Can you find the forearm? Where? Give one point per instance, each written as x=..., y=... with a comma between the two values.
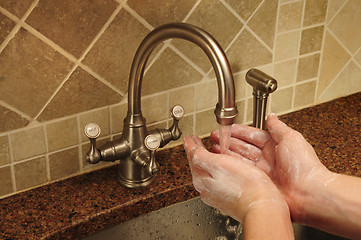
x=268, y=220
x=335, y=207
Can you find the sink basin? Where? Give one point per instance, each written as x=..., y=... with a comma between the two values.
x=191, y=219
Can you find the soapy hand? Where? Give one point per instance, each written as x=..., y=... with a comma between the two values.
x=233, y=185
x=284, y=155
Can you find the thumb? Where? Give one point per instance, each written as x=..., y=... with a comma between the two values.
x=276, y=128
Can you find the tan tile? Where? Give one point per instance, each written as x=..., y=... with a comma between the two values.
x=357, y=57
x=263, y=22
x=62, y=134
x=6, y=25
x=118, y=113
x=17, y=8
x=4, y=151
x=80, y=21
x=39, y=71
x=287, y=45
x=346, y=83
x=240, y=85
x=285, y=72
x=160, y=12
x=247, y=52
x=206, y=122
x=308, y=67
x=240, y=108
x=6, y=186
x=304, y=94
x=315, y=12
x=112, y=55
x=155, y=108
x=186, y=126
x=290, y=16
x=245, y=8
x=28, y=143
x=30, y=173
x=159, y=125
x=11, y=120
x=333, y=7
x=346, y=25
x=167, y=72
x=184, y=97
x=249, y=114
x=63, y=164
x=80, y=93
x=282, y=100
x=100, y=117
x=207, y=95
x=333, y=59
x=311, y=40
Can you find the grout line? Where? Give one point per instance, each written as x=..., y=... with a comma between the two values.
x=137, y=16
x=12, y=162
x=80, y=151
x=17, y=111
x=276, y=32
x=191, y=11
x=328, y=22
x=47, y=161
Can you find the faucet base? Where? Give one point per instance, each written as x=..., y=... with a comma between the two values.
x=135, y=184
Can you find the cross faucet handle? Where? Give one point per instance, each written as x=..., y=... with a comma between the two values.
x=177, y=113
x=152, y=143
x=92, y=131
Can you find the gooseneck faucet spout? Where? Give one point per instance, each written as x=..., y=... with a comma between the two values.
x=136, y=147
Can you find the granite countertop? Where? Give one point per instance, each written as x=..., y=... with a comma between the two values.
x=88, y=203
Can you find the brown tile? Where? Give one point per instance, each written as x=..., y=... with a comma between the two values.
x=282, y=100
x=6, y=25
x=247, y=52
x=38, y=69
x=315, y=12
x=346, y=25
x=62, y=134
x=112, y=54
x=263, y=22
x=158, y=12
x=155, y=108
x=184, y=97
x=240, y=85
x=290, y=16
x=80, y=93
x=287, y=45
x=285, y=72
x=311, y=40
x=357, y=57
x=117, y=115
x=167, y=72
x=333, y=7
x=245, y=8
x=304, y=94
x=30, y=173
x=11, y=120
x=28, y=143
x=240, y=108
x=100, y=117
x=6, y=186
x=63, y=164
x=4, y=151
x=205, y=123
x=207, y=95
x=308, y=67
x=71, y=24
x=249, y=114
x=17, y=8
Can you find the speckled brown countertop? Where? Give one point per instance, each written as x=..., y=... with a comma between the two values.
x=91, y=202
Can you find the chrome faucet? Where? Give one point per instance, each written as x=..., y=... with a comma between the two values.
x=135, y=149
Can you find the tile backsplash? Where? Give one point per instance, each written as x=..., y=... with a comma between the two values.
x=66, y=63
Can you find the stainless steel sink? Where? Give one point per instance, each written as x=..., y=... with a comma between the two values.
x=191, y=219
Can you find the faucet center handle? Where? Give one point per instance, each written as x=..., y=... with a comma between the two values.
x=152, y=142
x=92, y=130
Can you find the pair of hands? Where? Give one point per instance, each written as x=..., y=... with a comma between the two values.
x=278, y=167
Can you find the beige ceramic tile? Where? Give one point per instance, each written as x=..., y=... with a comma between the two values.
x=247, y=52
x=245, y=8
x=32, y=70
x=285, y=72
x=290, y=16
x=263, y=22
x=206, y=122
x=63, y=164
x=100, y=117
x=207, y=95
x=4, y=151
x=6, y=186
x=304, y=94
x=315, y=12
x=28, y=143
x=169, y=71
x=282, y=100
x=311, y=40
x=348, y=82
x=80, y=21
x=11, y=120
x=112, y=55
x=308, y=67
x=155, y=108
x=287, y=45
x=80, y=93
x=5, y=27
x=184, y=97
x=249, y=114
x=17, y=8
x=62, y=134
x=357, y=56
x=333, y=7
x=118, y=113
x=240, y=108
x=161, y=12
x=346, y=25
x=30, y=173
x=240, y=85
x=333, y=60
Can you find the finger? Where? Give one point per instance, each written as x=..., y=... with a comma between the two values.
x=276, y=128
x=217, y=149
